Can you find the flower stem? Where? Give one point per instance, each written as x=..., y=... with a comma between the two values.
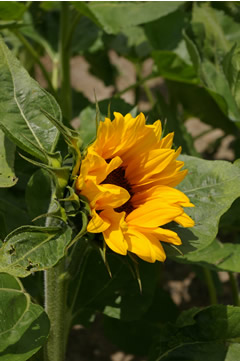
x=55, y=306
x=235, y=291
x=210, y=285
x=65, y=54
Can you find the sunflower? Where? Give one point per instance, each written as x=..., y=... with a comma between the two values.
x=128, y=177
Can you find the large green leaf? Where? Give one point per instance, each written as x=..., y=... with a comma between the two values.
x=212, y=186
x=24, y=326
x=166, y=33
x=12, y=10
x=118, y=295
x=198, y=102
x=21, y=100
x=209, y=39
x=202, y=335
x=136, y=336
x=30, y=249
x=7, y=154
x=172, y=67
x=231, y=67
x=216, y=31
x=217, y=256
x=114, y=17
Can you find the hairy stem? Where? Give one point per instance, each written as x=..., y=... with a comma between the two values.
x=55, y=306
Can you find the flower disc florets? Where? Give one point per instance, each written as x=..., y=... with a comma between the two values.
x=128, y=176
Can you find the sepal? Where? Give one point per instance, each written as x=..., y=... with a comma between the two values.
x=60, y=175
x=72, y=138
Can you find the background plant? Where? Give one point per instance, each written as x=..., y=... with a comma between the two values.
x=194, y=48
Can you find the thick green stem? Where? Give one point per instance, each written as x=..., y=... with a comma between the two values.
x=235, y=290
x=65, y=54
x=55, y=306
x=210, y=285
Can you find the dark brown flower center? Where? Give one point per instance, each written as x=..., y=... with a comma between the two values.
x=117, y=177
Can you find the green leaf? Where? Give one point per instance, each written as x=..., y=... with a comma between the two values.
x=212, y=186
x=115, y=17
x=172, y=26
x=87, y=127
x=119, y=295
x=202, y=335
x=7, y=155
x=29, y=249
x=218, y=87
x=13, y=10
x=91, y=32
x=231, y=67
x=101, y=67
x=12, y=212
x=217, y=256
x=39, y=195
x=215, y=31
x=24, y=326
x=209, y=39
x=29, y=30
x=169, y=114
x=172, y=67
x=196, y=101
x=136, y=336
x=21, y=101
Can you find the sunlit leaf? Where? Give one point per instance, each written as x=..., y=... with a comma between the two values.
x=110, y=15
x=212, y=186
x=21, y=100
x=29, y=249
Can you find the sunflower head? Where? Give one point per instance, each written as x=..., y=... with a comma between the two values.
x=128, y=177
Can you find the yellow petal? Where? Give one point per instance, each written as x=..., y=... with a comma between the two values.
x=145, y=245
x=153, y=214
x=184, y=220
x=166, y=235
x=150, y=164
x=111, y=196
x=167, y=141
x=97, y=224
x=98, y=168
x=164, y=194
x=104, y=195
x=140, y=245
x=114, y=235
